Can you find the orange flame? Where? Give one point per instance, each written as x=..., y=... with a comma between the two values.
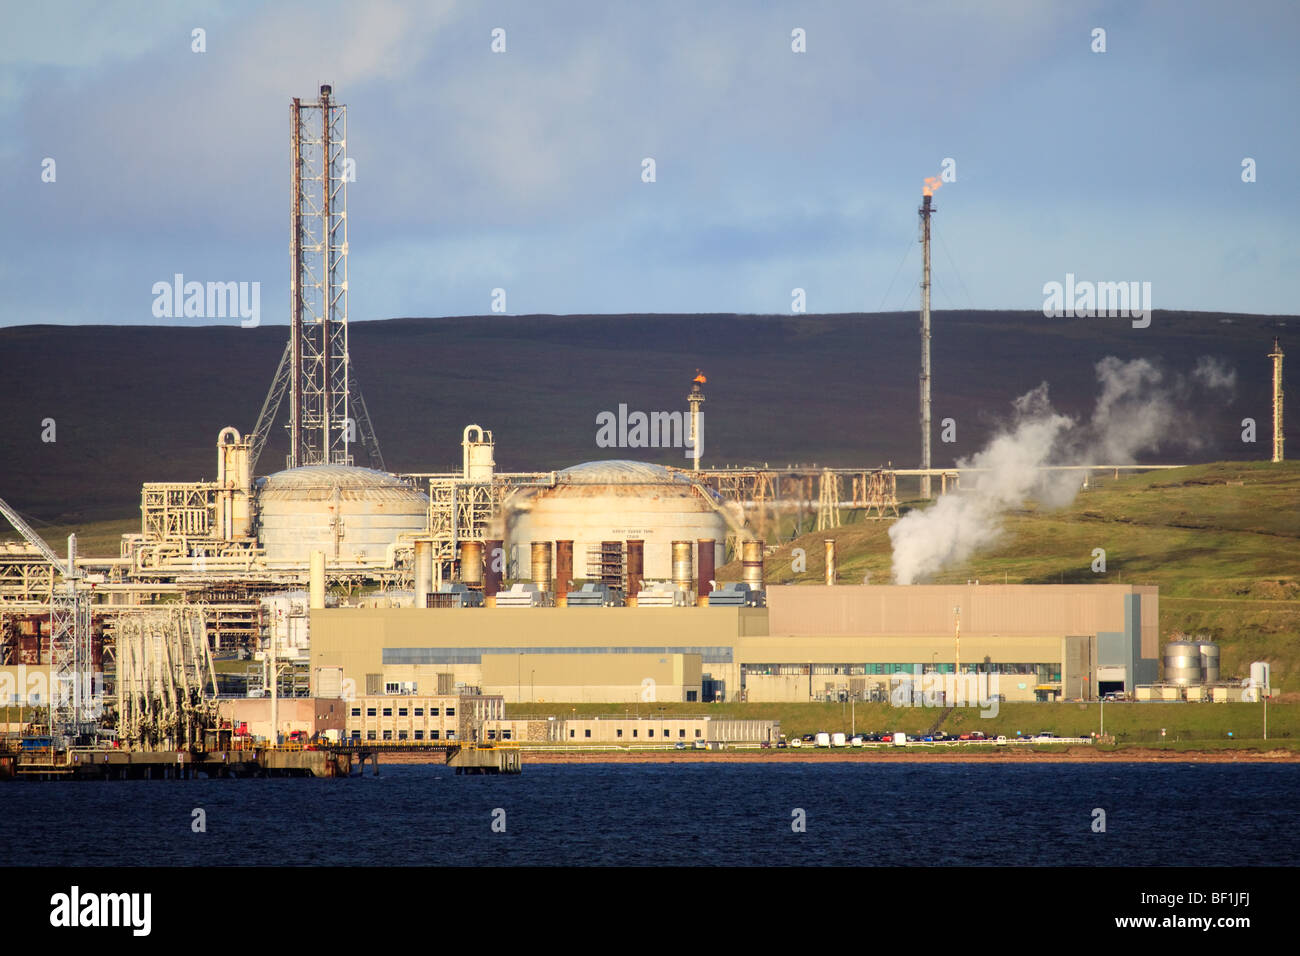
x=699, y=377
x=931, y=184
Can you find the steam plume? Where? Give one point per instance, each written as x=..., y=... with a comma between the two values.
x=1138, y=409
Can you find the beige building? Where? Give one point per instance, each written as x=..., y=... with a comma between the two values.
x=667, y=730
x=534, y=675
x=422, y=718
x=1034, y=642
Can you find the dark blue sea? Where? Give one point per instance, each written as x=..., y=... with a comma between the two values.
x=689, y=814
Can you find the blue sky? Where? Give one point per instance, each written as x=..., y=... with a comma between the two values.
x=775, y=170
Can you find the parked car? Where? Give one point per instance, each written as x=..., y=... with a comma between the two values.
x=855, y=740
x=680, y=745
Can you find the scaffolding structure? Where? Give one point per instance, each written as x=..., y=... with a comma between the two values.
x=605, y=564
x=327, y=414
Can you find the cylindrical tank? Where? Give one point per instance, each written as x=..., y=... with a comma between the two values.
x=752, y=564
x=540, y=555
x=471, y=564
x=423, y=572
x=563, y=572
x=635, y=566
x=613, y=501
x=683, y=562
x=354, y=515
x=706, y=548
x=1209, y=661
x=495, y=559
x=1183, y=663
x=479, y=463
x=830, y=560
x=316, y=580
x=235, y=478
x=1259, y=673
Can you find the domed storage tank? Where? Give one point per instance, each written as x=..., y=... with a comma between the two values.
x=352, y=514
x=614, y=501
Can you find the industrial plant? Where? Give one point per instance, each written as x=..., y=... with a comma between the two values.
x=371, y=605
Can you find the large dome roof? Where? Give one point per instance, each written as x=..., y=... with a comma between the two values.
x=320, y=482
x=621, y=478
x=354, y=515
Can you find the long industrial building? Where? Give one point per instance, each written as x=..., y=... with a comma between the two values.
x=1040, y=642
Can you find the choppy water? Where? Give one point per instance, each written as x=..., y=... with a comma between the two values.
x=655, y=814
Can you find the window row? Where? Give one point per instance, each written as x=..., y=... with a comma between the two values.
x=649, y=732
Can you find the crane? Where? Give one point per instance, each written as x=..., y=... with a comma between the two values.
x=73, y=707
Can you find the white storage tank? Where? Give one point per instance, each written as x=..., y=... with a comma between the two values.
x=1209, y=661
x=1259, y=674
x=615, y=501
x=353, y=515
x=1183, y=663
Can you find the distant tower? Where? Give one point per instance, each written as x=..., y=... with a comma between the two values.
x=696, y=399
x=1276, y=356
x=327, y=414
x=925, y=211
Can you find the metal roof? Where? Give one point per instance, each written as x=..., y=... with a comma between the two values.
x=620, y=472
x=320, y=481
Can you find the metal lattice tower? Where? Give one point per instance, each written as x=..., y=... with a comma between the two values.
x=74, y=704
x=327, y=414
x=828, y=504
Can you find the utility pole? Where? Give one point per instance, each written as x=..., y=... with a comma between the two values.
x=956, y=676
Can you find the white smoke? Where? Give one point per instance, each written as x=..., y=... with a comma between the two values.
x=1138, y=409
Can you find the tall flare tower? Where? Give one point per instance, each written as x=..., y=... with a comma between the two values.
x=931, y=184
x=1276, y=356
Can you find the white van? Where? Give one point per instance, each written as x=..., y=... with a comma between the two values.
x=838, y=740
x=900, y=740
x=823, y=740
